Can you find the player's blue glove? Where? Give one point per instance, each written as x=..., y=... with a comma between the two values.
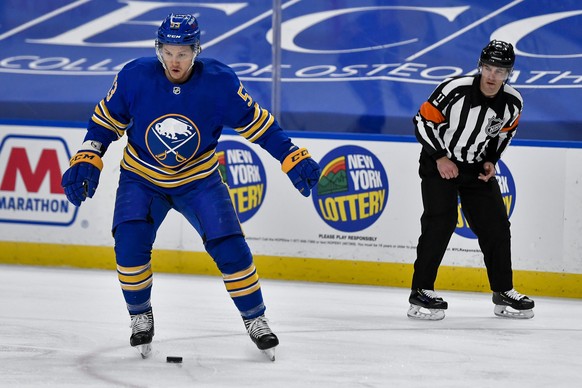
x=303, y=171
x=81, y=179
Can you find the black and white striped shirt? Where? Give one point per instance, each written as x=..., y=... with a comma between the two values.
x=458, y=121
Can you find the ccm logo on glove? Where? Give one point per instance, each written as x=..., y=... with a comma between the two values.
x=81, y=179
x=302, y=170
x=293, y=158
x=88, y=157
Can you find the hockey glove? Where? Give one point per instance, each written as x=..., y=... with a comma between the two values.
x=302, y=170
x=81, y=179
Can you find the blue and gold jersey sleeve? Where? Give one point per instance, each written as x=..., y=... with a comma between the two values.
x=110, y=117
x=253, y=122
x=259, y=123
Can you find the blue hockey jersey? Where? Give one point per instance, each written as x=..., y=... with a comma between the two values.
x=173, y=129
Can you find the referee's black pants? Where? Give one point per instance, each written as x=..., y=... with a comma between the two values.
x=486, y=214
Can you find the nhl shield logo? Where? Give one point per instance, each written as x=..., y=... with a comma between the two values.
x=494, y=126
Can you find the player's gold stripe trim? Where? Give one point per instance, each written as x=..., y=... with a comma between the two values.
x=247, y=291
x=133, y=270
x=231, y=286
x=137, y=287
x=240, y=274
x=134, y=278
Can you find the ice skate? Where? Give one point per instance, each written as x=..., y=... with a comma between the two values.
x=427, y=300
x=512, y=304
x=262, y=335
x=142, y=332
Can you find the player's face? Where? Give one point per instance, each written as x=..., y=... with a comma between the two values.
x=178, y=60
x=492, y=78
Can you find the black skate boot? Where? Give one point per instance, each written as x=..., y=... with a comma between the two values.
x=262, y=335
x=520, y=306
x=142, y=332
x=428, y=300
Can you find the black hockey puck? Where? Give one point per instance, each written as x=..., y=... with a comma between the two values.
x=177, y=360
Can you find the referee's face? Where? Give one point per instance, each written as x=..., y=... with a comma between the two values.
x=492, y=78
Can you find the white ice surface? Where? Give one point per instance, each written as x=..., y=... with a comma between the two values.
x=70, y=328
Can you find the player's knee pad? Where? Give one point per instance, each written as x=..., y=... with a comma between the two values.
x=231, y=253
x=133, y=243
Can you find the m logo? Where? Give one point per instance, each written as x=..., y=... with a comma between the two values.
x=19, y=166
x=30, y=181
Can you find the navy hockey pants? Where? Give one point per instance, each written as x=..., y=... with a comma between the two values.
x=140, y=210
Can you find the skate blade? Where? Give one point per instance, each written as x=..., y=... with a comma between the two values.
x=270, y=353
x=414, y=312
x=145, y=350
x=508, y=312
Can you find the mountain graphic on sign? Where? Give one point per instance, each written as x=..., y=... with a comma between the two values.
x=333, y=177
x=222, y=166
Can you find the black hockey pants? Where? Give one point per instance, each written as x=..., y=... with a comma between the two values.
x=482, y=205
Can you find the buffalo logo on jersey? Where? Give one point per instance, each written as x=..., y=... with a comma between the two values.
x=172, y=140
x=494, y=126
x=353, y=189
x=242, y=170
x=507, y=187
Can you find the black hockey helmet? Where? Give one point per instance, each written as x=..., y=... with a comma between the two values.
x=498, y=53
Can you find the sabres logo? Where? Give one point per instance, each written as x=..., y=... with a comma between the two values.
x=494, y=126
x=172, y=140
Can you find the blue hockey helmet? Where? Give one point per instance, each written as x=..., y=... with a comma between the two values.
x=179, y=29
x=498, y=53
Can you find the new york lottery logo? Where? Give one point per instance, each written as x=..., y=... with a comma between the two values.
x=353, y=189
x=242, y=170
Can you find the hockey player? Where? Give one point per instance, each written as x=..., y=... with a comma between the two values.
x=172, y=109
x=464, y=128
